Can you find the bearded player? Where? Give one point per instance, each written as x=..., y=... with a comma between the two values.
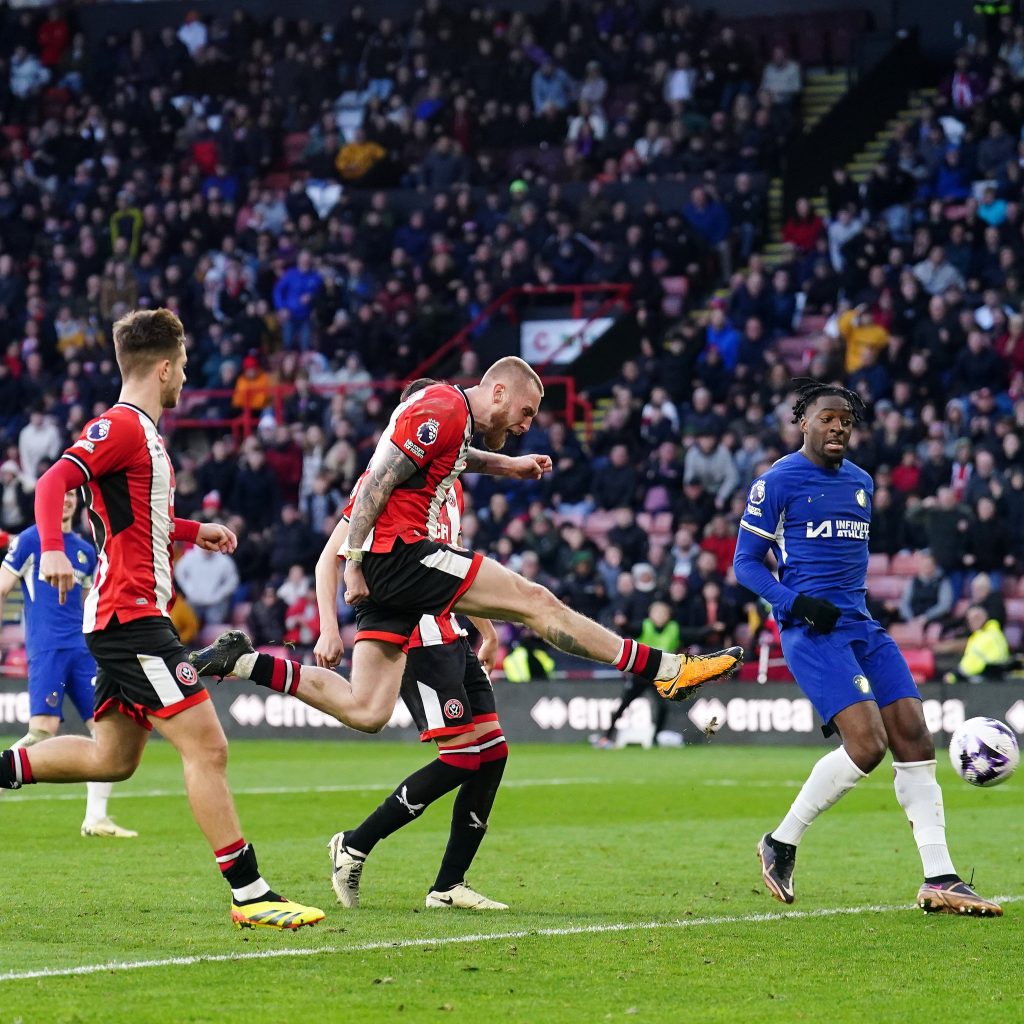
x=397, y=570
x=812, y=510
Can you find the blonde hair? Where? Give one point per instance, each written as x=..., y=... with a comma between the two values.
x=513, y=366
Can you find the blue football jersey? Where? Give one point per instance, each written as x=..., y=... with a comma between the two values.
x=817, y=522
x=48, y=623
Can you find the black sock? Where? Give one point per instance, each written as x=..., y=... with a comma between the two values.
x=780, y=847
x=939, y=879
x=237, y=863
x=469, y=822
x=407, y=803
x=15, y=770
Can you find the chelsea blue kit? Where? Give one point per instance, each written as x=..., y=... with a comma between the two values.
x=816, y=521
x=58, y=660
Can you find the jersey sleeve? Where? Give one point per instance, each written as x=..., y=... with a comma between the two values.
x=432, y=427
x=766, y=505
x=107, y=444
x=19, y=555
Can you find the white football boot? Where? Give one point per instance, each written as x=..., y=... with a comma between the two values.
x=463, y=897
x=107, y=828
x=346, y=870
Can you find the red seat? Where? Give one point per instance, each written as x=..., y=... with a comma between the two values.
x=921, y=662
x=907, y=634
x=887, y=588
x=903, y=564
x=878, y=564
x=1015, y=609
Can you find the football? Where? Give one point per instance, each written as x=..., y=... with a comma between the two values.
x=984, y=752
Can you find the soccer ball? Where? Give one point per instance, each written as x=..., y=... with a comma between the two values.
x=984, y=752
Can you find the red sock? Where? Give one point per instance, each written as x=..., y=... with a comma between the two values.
x=276, y=673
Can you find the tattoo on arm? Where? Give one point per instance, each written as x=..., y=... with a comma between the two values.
x=565, y=641
x=491, y=463
x=385, y=474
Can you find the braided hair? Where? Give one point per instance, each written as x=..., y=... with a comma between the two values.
x=808, y=391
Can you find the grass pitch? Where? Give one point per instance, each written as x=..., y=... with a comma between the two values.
x=634, y=888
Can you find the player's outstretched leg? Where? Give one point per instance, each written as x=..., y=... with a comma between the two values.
x=365, y=704
x=499, y=593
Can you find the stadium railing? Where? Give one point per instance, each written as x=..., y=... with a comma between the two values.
x=561, y=397
x=587, y=302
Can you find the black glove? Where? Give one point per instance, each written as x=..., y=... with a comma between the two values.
x=822, y=615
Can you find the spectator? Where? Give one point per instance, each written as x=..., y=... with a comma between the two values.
x=39, y=441
x=615, y=481
x=928, y=596
x=781, y=78
x=551, y=87
x=15, y=501
x=709, y=463
x=266, y=618
x=987, y=654
x=208, y=579
x=804, y=227
x=861, y=334
x=295, y=295
x=252, y=389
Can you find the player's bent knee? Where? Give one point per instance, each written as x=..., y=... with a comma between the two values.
x=868, y=751
x=538, y=604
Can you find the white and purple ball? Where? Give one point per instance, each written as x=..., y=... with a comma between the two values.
x=984, y=752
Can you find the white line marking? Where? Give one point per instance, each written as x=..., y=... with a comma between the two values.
x=31, y=797
x=453, y=940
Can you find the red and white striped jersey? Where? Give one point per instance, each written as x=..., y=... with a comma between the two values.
x=433, y=630
x=129, y=492
x=433, y=429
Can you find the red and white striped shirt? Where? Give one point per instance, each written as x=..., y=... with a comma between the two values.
x=434, y=630
x=433, y=429
x=129, y=493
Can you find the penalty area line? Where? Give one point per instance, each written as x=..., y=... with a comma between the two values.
x=114, y=966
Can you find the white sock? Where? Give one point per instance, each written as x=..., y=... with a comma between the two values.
x=670, y=665
x=96, y=801
x=920, y=796
x=252, y=891
x=244, y=666
x=831, y=778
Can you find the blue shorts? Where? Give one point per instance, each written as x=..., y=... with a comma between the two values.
x=857, y=661
x=52, y=675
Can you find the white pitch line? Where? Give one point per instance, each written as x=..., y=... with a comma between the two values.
x=146, y=794
x=454, y=940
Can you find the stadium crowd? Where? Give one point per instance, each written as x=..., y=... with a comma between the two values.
x=323, y=204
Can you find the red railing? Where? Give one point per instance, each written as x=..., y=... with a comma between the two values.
x=243, y=422
x=616, y=295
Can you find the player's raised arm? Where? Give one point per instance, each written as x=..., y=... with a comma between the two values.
x=522, y=467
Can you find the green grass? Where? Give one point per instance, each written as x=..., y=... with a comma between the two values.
x=579, y=839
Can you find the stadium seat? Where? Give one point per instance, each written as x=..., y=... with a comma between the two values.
x=921, y=662
x=878, y=564
x=1015, y=609
x=211, y=631
x=907, y=634
x=16, y=662
x=812, y=324
x=903, y=564
x=886, y=588
x=240, y=613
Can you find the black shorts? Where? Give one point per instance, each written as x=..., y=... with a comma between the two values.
x=411, y=580
x=143, y=670
x=446, y=690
